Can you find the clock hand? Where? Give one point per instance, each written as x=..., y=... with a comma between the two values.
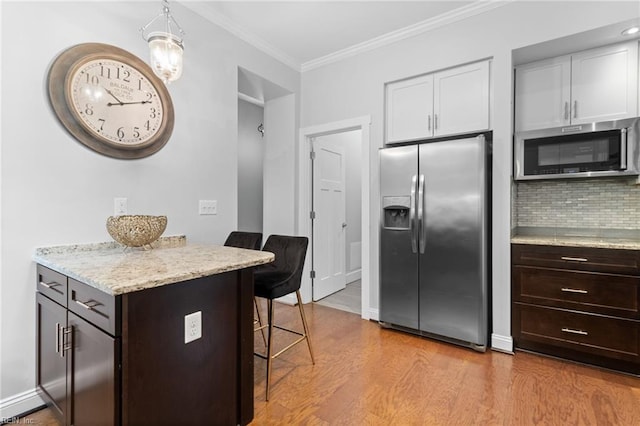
x=113, y=96
x=128, y=103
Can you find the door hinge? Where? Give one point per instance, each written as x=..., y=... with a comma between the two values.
x=312, y=155
x=312, y=215
x=312, y=274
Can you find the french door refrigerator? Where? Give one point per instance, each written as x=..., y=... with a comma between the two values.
x=435, y=239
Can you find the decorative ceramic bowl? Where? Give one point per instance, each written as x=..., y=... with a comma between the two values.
x=136, y=230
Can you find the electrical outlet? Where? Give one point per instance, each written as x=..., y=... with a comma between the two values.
x=119, y=206
x=192, y=327
x=208, y=207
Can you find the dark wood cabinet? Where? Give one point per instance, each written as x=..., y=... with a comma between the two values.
x=77, y=363
x=123, y=360
x=577, y=303
x=94, y=375
x=51, y=374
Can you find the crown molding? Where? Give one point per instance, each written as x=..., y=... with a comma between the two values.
x=222, y=21
x=475, y=8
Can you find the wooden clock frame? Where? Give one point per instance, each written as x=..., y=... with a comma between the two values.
x=57, y=86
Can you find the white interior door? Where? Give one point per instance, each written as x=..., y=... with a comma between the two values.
x=329, y=225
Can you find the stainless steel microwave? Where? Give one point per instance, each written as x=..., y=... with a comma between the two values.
x=607, y=148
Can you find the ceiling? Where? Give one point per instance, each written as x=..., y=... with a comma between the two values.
x=303, y=34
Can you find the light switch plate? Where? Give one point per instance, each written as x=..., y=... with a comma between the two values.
x=208, y=207
x=192, y=327
x=119, y=206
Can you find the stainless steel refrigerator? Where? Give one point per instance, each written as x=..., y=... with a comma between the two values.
x=435, y=239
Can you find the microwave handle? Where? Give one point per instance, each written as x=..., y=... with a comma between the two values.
x=623, y=149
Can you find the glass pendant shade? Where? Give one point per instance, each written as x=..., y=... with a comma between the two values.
x=165, y=47
x=166, y=55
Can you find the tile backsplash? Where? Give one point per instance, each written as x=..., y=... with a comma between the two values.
x=577, y=203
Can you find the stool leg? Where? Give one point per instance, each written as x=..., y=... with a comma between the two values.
x=269, y=346
x=304, y=325
x=255, y=302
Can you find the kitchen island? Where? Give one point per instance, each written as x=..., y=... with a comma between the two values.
x=146, y=337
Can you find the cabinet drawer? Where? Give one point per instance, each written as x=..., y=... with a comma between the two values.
x=52, y=284
x=578, y=258
x=595, y=334
x=600, y=293
x=95, y=306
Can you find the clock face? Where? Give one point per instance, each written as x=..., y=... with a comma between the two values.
x=110, y=100
x=114, y=101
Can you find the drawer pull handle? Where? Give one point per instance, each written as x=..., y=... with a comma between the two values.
x=49, y=285
x=572, y=331
x=574, y=259
x=574, y=290
x=89, y=304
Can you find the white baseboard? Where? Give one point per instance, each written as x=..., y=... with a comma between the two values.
x=502, y=343
x=354, y=276
x=21, y=403
x=374, y=314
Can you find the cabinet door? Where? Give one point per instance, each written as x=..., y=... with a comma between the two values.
x=543, y=91
x=51, y=366
x=94, y=375
x=604, y=83
x=409, y=109
x=461, y=99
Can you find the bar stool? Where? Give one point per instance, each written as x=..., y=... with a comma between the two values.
x=241, y=239
x=281, y=277
x=253, y=241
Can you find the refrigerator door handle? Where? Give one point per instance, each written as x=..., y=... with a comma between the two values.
x=412, y=215
x=422, y=226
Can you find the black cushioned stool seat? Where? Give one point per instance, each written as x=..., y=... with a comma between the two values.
x=241, y=239
x=281, y=277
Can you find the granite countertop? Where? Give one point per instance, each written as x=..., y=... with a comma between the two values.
x=114, y=270
x=578, y=241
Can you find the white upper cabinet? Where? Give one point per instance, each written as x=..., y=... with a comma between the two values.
x=543, y=94
x=594, y=85
x=461, y=99
x=409, y=109
x=443, y=103
x=604, y=83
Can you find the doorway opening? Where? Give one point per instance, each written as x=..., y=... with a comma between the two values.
x=250, y=170
x=359, y=251
x=266, y=116
x=336, y=222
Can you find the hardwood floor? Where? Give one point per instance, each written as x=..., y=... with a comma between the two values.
x=365, y=375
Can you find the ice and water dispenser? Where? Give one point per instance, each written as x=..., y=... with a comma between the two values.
x=396, y=212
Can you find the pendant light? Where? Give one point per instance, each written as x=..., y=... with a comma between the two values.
x=165, y=45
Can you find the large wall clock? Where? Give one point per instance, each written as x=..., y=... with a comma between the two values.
x=110, y=100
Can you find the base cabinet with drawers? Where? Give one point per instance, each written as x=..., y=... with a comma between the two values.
x=578, y=303
x=122, y=360
x=77, y=362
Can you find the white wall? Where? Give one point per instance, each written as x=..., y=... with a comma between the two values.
x=250, y=152
x=354, y=87
x=280, y=155
x=55, y=191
